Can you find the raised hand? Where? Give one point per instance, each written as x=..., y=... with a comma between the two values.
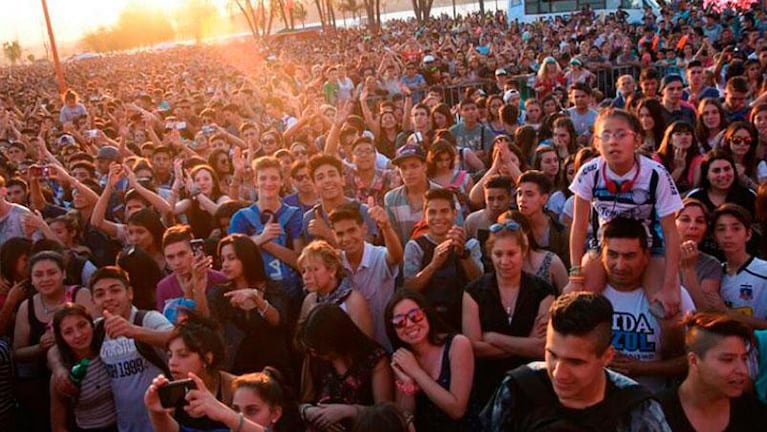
x=377, y=214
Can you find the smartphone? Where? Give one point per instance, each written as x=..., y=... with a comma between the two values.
x=181, y=125
x=198, y=246
x=173, y=394
x=92, y=133
x=207, y=130
x=36, y=170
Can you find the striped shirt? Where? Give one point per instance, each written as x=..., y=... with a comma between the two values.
x=6, y=377
x=403, y=216
x=95, y=405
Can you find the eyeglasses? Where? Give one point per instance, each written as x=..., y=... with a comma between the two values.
x=301, y=177
x=618, y=135
x=268, y=141
x=300, y=153
x=507, y=226
x=740, y=140
x=414, y=316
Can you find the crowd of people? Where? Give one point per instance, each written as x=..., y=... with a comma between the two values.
x=318, y=235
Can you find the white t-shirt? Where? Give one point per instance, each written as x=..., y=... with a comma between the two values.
x=746, y=291
x=652, y=196
x=636, y=332
x=131, y=374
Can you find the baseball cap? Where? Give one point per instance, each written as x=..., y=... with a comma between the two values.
x=509, y=94
x=668, y=79
x=409, y=151
x=108, y=152
x=500, y=72
x=428, y=59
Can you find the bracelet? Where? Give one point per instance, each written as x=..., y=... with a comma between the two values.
x=575, y=270
x=240, y=422
x=577, y=279
x=303, y=410
x=408, y=388
x=263, y=311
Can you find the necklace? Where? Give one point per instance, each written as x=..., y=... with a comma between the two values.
x=509, y=305
x=46, y=309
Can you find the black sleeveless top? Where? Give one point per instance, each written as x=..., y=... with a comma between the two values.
x=429, y=416
x=493, y=318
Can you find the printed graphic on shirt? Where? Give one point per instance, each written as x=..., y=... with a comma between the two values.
x=634, y=336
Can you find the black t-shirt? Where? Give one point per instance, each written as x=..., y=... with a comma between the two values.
x=746, y=413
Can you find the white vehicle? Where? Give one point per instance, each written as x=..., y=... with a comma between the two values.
x=533, y=10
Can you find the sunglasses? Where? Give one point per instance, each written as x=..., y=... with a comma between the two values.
x=508, y=226
x=301, y=177
x=300, y=153
x=414, y=316
x=740, y=140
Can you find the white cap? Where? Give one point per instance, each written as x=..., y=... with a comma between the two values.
x=428, y=59
x=509, y=94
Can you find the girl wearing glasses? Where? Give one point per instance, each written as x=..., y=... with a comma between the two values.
x=622, y=183
x=433, y=369
x=740, y=141
x=505, y=312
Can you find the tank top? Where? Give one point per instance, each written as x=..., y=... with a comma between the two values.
x=95, y=405
x=544, y=271
x=429, y=416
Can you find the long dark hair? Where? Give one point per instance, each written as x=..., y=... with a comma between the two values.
x=438, y=330
x=567, y=123
x=666, y=150
x=10, y=253
x=65, y=351
x=327, y=329
x=700, y=127
x=201, y=335
x=215, y=192
x=708, y=159
x=250, y=256
x=749, y=160
x=149, y=219
x=144, y=275
x=656, y=112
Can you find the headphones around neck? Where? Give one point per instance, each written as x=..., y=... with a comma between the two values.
x=625, y=186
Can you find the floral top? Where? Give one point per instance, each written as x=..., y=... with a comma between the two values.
x=383, y=181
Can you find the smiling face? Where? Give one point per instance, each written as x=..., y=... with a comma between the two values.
x=721, y=174
x=740, y=143
x=269, y=182
x=111, y=295
x=328, y=182
x=350, y=236
x=440, y=216
x=77, y=333
x=413, y=326
x=47, y=277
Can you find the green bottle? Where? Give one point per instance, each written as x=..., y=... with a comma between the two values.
x=78, y=371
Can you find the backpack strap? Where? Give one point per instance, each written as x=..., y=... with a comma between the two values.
x=530, y=382
x=147, y=351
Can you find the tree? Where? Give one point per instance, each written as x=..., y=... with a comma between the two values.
x=12, y=51
x=196, y=19
x=258, y=16
x=299, y=12
x=422, y=9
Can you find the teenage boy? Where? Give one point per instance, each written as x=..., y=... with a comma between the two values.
x=713, y=395
x=744, y=282
x=648, y=349
x=573, y=389
x=132, y=340
x=274, y=226
x=420, y=122
x=178, y=290
x=373, y=269
x=471, y=133
x=697, y=89
x=671, y=88
x=405, y=204
x=11, y=216
x=441, y=262
x=736, y=99
x=582, y=116
x=533, y=189
x=497, y=200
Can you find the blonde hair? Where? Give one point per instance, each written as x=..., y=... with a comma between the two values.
x=323, y=251
x=265, y=162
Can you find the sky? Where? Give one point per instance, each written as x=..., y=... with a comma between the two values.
x=70, y=19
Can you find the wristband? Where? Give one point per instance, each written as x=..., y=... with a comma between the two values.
x=408, y=388
x=575, y=270
x=577, y=279
x=240, y=422
x=263, y=311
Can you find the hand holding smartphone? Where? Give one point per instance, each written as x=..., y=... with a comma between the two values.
x=173, y=394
